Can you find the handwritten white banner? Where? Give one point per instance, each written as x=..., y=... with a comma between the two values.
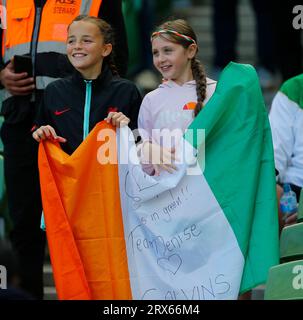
x=180, y=245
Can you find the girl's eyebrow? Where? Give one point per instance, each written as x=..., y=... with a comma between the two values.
x=84, y=36
x=164, y=47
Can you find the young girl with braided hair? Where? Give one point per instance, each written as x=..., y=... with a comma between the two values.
x=168, y=110
x=72, y=106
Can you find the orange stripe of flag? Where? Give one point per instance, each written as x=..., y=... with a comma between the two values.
x=81, y=203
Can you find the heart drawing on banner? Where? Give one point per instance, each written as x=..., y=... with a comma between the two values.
x=171, y=264
x=142, y=180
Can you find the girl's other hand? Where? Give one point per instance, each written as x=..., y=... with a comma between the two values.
x=117, y=119
x=47, y=133
x=160, y=157
x=291, y=219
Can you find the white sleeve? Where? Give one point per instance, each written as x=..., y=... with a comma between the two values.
x=145, y=126
x=282, y=117
x=145, y=122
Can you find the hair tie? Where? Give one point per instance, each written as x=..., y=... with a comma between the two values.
x=157, y=33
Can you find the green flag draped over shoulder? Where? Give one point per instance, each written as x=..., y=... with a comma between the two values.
x=239, y=167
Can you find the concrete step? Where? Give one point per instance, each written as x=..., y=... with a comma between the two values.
x=258, y=293
x=206, y=10
x=49, y=284
x=200, y=18
x=50, y=293
x=48, y=275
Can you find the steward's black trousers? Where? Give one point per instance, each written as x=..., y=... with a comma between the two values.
x=24, y=201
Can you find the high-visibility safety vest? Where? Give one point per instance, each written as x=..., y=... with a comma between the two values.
x=32, y=30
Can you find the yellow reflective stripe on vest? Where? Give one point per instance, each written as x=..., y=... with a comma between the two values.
x=42, y=81
x=41, y=84
x=51, y=46
x=20, y=49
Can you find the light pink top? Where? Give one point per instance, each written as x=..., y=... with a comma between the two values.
x=167, y=108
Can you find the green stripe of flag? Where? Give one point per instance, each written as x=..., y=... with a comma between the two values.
x=239, y=167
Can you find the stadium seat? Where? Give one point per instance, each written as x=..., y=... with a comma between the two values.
x=291, y=243
x=285, y=282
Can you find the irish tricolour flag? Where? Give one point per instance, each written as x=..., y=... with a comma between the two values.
x=208, y=231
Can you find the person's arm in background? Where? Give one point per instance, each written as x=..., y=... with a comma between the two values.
x=111, y=12
x=1, y=60
x=281, y=118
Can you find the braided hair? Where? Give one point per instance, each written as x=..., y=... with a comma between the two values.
x=108, y=36
x=179, y=31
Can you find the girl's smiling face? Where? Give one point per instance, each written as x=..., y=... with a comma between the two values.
x=172, y=60
x=86, y=48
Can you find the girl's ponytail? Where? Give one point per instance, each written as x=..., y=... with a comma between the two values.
x=110, y=62
x=201, y=83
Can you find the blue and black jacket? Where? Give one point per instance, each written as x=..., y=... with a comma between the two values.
x=74, y=105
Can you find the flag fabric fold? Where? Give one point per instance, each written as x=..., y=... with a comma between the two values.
x=239, y=167
x=83, y=222
x=116, y=233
